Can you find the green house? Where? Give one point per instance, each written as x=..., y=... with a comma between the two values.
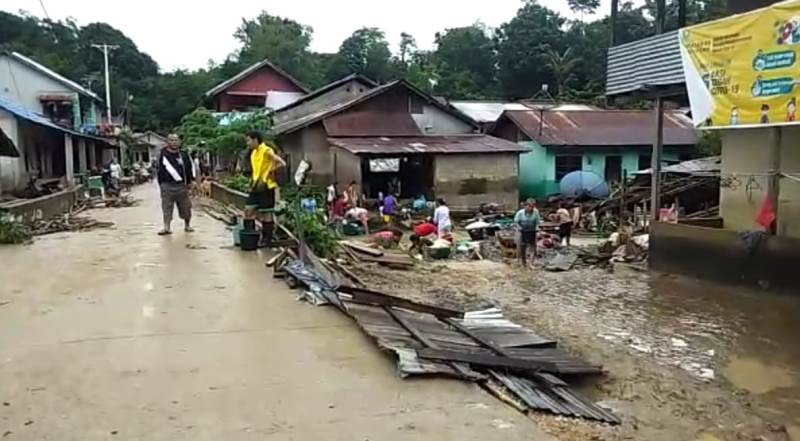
x=611, y=143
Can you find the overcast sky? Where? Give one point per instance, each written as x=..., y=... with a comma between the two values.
x=186, y=34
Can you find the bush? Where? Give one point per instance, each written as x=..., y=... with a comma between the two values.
x=13, y=232
x=311, y=227
x=237, y=182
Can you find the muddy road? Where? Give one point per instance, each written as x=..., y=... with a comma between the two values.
x=121, y=334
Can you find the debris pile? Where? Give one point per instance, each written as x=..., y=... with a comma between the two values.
x=510, y=361
x=66, y=222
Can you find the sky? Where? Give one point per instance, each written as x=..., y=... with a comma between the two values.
x=187, y=34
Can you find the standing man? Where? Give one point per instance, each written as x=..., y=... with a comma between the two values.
x=175, y=175
x=264, y=162
x=527, y=220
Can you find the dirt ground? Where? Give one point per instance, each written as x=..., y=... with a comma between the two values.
x=685, y=360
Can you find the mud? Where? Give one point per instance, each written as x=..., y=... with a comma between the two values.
x=685, y=360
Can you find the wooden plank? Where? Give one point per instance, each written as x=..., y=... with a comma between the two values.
x=288, y=233
x=364, y=249
x=489, y=361
x=276, y=258
x=350, y=275
x=370, y=297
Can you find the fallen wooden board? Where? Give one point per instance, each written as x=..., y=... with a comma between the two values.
x=276, y=258
x=362, y=248
x=370, y=297
x=488, y=361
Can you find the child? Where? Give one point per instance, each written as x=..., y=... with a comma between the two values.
x=389, y=208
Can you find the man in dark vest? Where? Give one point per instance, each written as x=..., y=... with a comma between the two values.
x=175, y=175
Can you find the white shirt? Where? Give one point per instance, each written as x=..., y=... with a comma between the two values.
x=331, y=193
x=116, y=171
x=441, y=217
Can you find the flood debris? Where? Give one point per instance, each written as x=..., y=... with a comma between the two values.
x=509, y=360
x=67, y=222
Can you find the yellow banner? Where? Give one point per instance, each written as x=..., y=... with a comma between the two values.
x=744, y=70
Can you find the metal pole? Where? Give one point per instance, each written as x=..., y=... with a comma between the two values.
x=655, y=164
x=612, y=22
x=661, y=13
x=105, y=48
x=774, y=187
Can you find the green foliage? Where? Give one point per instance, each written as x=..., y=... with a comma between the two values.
x=13, y=232
x=709, y=144
x=202, y=129
x=238, y=182
x=584, y=6
x=466, y=61
x=310, y=226
x=365, y=52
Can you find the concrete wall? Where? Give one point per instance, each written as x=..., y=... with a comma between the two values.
x=45, y=207
x=745, y=155
x=23, y=85
x=721, y=255
x=348, y=90
x=11, y=169
x=466, y=181
x=221, y=193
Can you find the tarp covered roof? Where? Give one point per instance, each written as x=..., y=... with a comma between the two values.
x=450, y=144
x=601, y=127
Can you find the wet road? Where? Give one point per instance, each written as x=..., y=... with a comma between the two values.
x=120, y=334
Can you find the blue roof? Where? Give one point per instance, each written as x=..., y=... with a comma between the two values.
x=19, y=111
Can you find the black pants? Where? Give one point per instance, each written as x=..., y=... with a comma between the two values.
x=526, y=239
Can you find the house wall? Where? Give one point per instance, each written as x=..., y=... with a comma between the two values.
x=311, y=143
x=430, y=119
x=260, y=81
x=347, y=167
x=434, y=121
x=468, y=180
x=538, y=168
x=745, y=165
x=11, y=169
x=346, y=91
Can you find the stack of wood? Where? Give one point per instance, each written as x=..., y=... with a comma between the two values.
x=359, y=252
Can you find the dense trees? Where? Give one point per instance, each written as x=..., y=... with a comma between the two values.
x=535, y=47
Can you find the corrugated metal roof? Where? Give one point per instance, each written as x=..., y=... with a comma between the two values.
x=241, y=75
x=710, y=166
x=330, y=110
x=21, y=112
x=644, y=64
x=490, y=111
x=602, y=128
x=371, y=124
x=427, y=145
x=327, y=88
x=52, y=74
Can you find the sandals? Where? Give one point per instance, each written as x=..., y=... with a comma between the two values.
x=164, y=233
x=189, y=230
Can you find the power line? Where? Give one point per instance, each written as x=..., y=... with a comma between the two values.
x=41, y=3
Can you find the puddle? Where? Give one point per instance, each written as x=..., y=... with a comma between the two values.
x=707, y=437
x=757, y=377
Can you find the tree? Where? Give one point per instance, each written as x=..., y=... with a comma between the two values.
x=407, y=46
x=561, y=66
x=521, y=47
x=366, y=52
x=466, y=59
x=584, y=6
x=283, y=41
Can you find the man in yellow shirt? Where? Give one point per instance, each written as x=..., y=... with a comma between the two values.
x=263, y=162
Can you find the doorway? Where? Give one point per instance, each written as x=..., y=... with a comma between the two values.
x=613, y=168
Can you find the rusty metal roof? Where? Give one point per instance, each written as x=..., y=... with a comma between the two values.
x=450, y=144
x=360, y=123
x=597, y=128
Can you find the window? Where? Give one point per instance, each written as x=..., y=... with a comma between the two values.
x=567, y=164
x=415, y=105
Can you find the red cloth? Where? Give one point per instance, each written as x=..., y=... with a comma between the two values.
x=766, y=214
x=425, y=229
x=339, y=207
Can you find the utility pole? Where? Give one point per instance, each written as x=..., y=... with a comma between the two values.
x=105, y=48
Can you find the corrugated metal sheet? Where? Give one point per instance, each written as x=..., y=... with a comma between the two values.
x=644, y=64
x=371, y=124
x=710, y=166
x=602, y=128
x=327, y=88
x=254, y=67
x=427, y=145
